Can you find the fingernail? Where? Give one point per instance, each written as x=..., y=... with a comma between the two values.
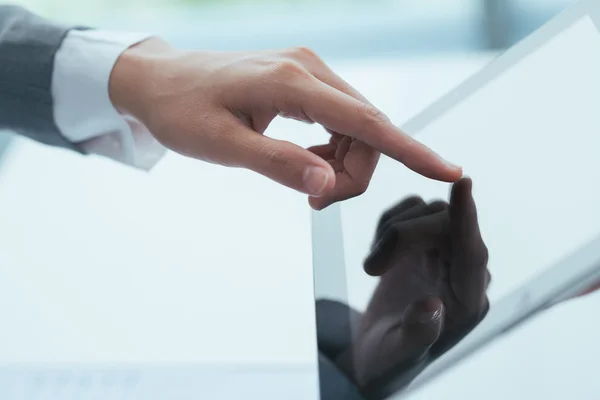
x=428, y=317
x=315, y=179
x=452, y=165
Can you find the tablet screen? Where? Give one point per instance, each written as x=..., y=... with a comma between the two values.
x=413, y=266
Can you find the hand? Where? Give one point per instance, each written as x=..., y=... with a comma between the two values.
x=215, y=106
x=432, y=292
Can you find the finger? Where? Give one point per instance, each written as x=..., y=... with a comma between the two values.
x=397, y=344
x=316, y=66
x=422, y=323
x=488, y=278
x=346, y=115
x=419, y=210
x=325, y=151
x=415, y=234
x=350, y=183
x=455, y=334
x=386, y=240
x=281, y=161
x=343, y=148
x=415, y=332
x=355, y=160
x=335, y=137
x=396, y=210
x=468, y=272
x=437, y=206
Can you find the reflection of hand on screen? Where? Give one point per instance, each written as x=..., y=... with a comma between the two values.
x=432, y=292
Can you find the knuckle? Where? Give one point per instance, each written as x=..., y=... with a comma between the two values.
x=273, y=156
x=437, y=206
x=304, y=52
x=371, y=115
x=485, y=307
x=485, y=255
x=287, y=69
x=386, y=216
x=477, y=257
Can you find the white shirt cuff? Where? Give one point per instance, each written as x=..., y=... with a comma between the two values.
x=83, y=111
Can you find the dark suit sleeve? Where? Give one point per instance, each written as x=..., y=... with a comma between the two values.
x=335, y=322
x=28, y=44
x=333, y=383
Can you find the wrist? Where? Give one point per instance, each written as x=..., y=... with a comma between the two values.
x=132, y=79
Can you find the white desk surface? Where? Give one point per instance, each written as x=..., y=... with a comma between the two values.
x=192, y=263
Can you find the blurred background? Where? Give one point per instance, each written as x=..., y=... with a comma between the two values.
x=336, y=29
x=196, y=264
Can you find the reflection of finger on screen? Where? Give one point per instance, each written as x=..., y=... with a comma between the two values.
x=469, y=253
x=419, y=234
x=395, y=211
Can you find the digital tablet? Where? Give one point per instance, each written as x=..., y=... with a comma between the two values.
x=526, y=235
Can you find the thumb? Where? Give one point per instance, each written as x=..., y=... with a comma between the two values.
x=398, y=347
x=423, y=322
x=284, y=162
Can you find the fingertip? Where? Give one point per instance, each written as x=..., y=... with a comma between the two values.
x=371, y=268
x=430, y=316
x=468, y=182
x=452, y=175
x=316, y=203
x=458, y=173
x=373, y=265
x=318, y=179
x=425, y=317
x=378, y=261
x=331, y=181
x=319, y=203
x=447, y=171
x=440, y=172
x=461, y=190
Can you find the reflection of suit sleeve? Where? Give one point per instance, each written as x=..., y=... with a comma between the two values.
x=333, y=383
x=334, y=323
x=28, y=45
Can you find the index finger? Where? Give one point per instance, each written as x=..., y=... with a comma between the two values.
x=468, y=270
x=348, y=116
